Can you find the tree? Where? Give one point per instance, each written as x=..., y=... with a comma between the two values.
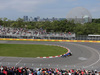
x=19, y=22
x=5, y=22
x=1, y=22
x=78, y=29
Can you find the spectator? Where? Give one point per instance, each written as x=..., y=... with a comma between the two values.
x=44, y=71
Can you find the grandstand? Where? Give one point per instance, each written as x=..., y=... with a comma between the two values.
x=7, y=32
x=4, y=70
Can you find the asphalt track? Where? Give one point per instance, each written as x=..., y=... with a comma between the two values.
x=85, y=56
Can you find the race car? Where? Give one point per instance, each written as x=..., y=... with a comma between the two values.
x=67, y=54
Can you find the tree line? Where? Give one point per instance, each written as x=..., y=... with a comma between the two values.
x=55, y=26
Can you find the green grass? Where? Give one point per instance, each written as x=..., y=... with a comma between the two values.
x=30, y=50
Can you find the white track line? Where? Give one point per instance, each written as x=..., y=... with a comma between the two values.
x=19, y=61
x=93, y=50
x=96, y=61
x=2, y=58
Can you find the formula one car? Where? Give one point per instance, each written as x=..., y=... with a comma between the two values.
x=67, y=54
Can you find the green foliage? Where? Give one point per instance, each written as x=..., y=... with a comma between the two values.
x=1, y=22
x=56, y=26
x=96, y=20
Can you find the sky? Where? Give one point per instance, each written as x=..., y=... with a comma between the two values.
x=13, y=9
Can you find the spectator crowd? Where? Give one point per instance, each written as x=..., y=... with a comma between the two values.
x=8, y=31
x=4, y=70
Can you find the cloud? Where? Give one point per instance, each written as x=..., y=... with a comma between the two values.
x=70, y=0
x=22, y=5
x=95, y=10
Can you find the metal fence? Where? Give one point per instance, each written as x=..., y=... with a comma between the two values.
x=41, y=36
x=68, y=37
x=86, y=37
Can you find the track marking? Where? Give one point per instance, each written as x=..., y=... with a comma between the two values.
x=2, y=58
x=82, y=58
x=90, y=49
x=83, y=66
x=19, y=61
x=96, y=61
x=57, y=55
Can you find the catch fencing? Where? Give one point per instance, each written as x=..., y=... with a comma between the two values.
x=56, y=37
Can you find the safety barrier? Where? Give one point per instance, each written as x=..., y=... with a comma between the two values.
x=50, y=40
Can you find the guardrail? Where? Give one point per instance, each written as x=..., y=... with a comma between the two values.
x=69, y=37
x=50, y=40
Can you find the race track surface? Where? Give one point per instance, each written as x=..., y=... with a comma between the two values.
x=85, y=56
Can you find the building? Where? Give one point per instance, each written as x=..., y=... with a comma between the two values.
x=37, y=19
x=79, y=15
x=30, y=19
x=25, y=18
